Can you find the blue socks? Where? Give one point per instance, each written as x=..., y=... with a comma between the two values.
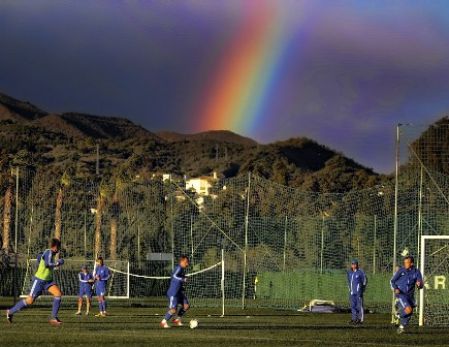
x=56, y=305
x=102, y=306
x=17, y=307
x=168, y=316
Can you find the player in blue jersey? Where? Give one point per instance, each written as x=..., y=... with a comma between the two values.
x=357, y=282
x=101, y=275
x=176, y=295
x=403, y=283
x=43, y=281
x=86, y=281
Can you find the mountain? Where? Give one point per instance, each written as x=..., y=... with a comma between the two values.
x=66, y=142
x=13, y=109
x=72, y=125
x=214, y=135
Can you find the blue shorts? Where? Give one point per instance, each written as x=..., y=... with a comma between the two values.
x=38, y=286
x=85, y=290
x=100, y=288
x=404, y=301
x=178, y=299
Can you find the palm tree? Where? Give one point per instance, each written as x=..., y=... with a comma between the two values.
x=7, y=209
x=101, y=203
x=115, y=212
x=65, y=182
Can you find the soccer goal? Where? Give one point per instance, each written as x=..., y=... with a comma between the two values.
x=204, y=288
x=434, y=266
x=66, y=277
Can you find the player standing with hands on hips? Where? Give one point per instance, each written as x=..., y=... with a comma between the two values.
x=176, y=294
x=43, y=281
x=357, y=282
x=403, y=284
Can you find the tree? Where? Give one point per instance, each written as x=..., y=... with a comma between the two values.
x=115, y=212
x=65, y=182
x=101, y=203
x=7, y=209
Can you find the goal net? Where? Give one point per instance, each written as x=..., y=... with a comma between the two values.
x=204, y=287
x=433, y=299
x=66, y=277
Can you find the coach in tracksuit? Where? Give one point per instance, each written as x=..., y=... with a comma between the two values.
x=357, y=282
x=403, y=284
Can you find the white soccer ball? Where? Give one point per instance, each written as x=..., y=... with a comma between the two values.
x=193, y=324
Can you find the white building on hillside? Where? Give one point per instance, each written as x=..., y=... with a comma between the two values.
x=201, y=185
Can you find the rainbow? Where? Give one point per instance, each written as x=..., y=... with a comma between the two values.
x=238, y=94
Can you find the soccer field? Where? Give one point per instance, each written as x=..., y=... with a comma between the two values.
x=139, y=327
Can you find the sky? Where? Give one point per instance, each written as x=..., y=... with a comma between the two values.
x=343, y=73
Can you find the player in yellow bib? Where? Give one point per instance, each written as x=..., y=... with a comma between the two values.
x=43, y=281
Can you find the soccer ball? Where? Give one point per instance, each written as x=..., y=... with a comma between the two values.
x=193, y=324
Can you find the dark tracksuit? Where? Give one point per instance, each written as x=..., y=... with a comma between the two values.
x=405, y=281
x=357, y=282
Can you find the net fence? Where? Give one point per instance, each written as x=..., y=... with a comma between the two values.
x=282, y=246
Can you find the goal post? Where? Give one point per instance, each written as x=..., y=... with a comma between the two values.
x=205, y=287
x=434, y=266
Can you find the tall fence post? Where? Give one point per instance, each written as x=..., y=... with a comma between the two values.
x=395, y=221
x=374, y=244
x=16, y=237
x=285, y=243
x=245, y=251
x=420, y=196
x=322, y=245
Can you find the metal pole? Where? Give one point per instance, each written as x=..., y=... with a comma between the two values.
x=222, y=283
x=138, y=247
x=395, y=222
x=374, y=244
x=16, y=217
x=85, y=234
x=421, y=292
x=322, y=246
x=16, y=237
x=246, y=241
x=420, y=196
x=285, y=243
x=191, y=238
x=97, y=164
x=172, y=234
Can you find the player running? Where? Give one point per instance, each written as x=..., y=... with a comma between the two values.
x=43, y=281
x=403, y=284
x=86, y=281
x=176, y=294
x=357, y=282
x=101, y=275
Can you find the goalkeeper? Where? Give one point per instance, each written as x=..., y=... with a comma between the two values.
x=403, y=284
x=43, y=281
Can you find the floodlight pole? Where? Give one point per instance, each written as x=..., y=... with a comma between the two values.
x=395, y=222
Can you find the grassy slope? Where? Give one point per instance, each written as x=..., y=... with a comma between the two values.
x=139, y=326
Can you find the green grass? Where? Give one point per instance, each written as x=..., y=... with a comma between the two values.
x=139, y=327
